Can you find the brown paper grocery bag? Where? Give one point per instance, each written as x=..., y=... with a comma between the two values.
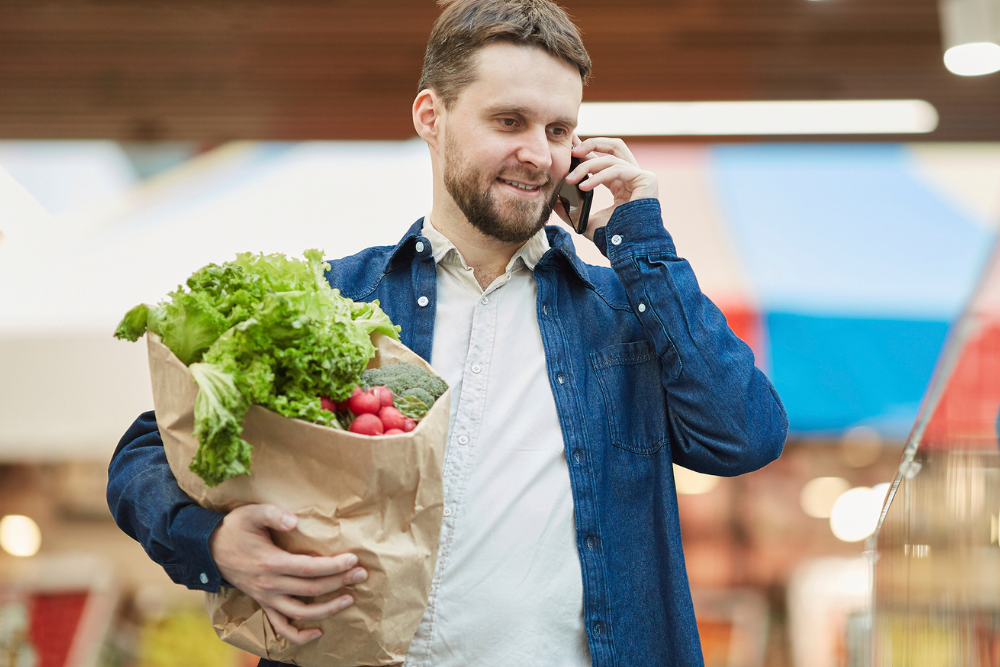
x=377, y=497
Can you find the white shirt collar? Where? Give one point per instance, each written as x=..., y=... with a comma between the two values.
x=530, y=253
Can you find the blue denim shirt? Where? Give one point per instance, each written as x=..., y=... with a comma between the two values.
x=645, y=373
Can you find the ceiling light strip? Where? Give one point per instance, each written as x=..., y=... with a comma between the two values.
x=756, y=118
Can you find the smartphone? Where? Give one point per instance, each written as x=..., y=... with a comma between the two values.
x=576, y=202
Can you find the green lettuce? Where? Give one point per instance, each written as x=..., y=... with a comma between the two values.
x=266, y=330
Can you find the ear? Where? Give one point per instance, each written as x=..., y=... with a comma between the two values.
x=427, y=111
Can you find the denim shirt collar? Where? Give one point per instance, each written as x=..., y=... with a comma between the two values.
x=404, y=250
x=528, y=254
x=560, y=249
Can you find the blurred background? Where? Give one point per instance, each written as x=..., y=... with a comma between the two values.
x=843, y=235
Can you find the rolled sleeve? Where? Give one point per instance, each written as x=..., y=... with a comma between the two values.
x=149, y=506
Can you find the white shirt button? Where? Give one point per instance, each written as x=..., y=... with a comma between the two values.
x=203, y=578
x=477, y=368
x=423, y=301
x=484, y=300
x=463, y=439
x=419, y=247
x=447, y=511
x=616, y=239
x=642, y=308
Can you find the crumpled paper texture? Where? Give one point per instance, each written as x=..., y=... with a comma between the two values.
x=377, y=497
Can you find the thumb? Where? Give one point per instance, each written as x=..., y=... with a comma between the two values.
x=275, y=518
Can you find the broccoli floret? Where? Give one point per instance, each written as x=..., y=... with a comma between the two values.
x=420, y=394
x=401, y=378
x=414, y=403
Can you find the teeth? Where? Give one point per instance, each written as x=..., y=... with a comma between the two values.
x=529, y=188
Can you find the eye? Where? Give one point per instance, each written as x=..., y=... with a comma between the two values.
x=508, y=122
x=558, y=132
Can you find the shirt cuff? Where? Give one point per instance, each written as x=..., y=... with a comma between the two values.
x=635, y=228
x=190, y=532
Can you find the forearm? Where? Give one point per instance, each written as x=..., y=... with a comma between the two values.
x=724, y=415
x=147, y=504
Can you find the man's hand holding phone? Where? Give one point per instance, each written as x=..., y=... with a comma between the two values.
x=608, y=162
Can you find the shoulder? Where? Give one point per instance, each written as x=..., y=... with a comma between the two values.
x=357, y=276
x=599, y=281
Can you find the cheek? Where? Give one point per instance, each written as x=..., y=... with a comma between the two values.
x=560, y=162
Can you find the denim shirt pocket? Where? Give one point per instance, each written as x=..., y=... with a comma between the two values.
x=630, y=378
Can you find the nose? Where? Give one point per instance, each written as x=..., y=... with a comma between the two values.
x=535, y=150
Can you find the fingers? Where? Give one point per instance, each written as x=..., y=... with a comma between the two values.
x=595, y=167
x=626, y=180
x=298, y=610
x=605, y=145
x=310, y=567
x=609, y=175
x=269, y=516
x=603, y=171
x=288, y=631
x=319, y=586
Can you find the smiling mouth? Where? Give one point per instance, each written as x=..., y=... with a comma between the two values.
x=520, y=186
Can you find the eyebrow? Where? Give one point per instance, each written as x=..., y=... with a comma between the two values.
x=498, y=109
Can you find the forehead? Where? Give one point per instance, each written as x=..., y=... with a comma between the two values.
x=524, y=77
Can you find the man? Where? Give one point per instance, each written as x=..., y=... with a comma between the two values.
x=575, y=388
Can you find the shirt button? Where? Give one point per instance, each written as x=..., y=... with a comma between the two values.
x=616, y=239
x=447, y=511
x=545, y=309
x=590, y=541
x=423, y=301
x=484, y=300
x=477, y=368
x=463, y=439
x=560, y=378
x=203, y=578
x=576, y=457
x=642, y=308
x=598, y=628
x=419, y=247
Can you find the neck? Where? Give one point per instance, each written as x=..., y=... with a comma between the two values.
x=487, y=256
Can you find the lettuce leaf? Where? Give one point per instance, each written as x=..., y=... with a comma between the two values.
x=373, y=318
x=266, y=330
x=219, y=409
x=133, y=325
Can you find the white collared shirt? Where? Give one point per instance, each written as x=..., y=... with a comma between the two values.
x=508, y=588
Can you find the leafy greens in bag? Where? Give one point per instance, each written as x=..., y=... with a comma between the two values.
x=262, y=329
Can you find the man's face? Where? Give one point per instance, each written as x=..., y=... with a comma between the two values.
x=508, y=138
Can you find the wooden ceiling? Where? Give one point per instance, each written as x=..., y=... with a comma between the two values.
x=216, y=70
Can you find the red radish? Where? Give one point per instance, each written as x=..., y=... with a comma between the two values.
x=342, y=405
x=393, y=431
x=327, y=404
x=409, y=424
x=392, y=418
x=384, y=394
x=367, y=424
x=364, y=403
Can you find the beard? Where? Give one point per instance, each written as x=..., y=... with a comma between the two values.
x=518, y=220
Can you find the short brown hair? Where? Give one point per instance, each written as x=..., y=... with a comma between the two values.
x=467, y=25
